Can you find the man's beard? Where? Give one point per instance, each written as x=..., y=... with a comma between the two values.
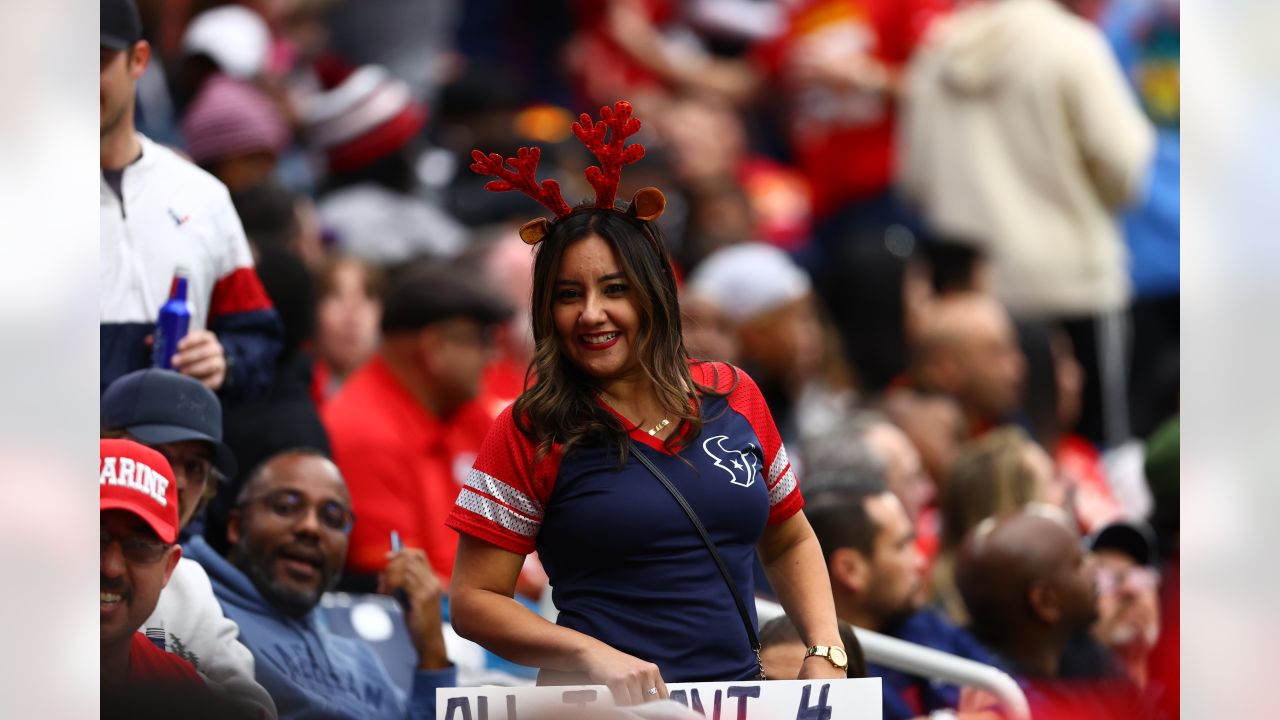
x=892, y=615
x=899, y=613
x=293, y=603
x=1144, y=635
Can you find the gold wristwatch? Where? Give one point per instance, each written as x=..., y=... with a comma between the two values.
x=833, y=654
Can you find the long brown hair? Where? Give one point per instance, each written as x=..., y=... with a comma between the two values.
x=560, y=405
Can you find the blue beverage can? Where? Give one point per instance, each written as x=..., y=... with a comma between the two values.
x=173, y=322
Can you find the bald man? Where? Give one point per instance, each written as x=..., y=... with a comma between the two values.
x=288, y=536
x=969, y=350
x=1029, y=589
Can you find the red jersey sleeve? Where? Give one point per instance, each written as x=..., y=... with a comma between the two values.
x=505, y=494
x=744, y=397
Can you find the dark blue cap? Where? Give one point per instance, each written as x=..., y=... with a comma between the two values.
x=121, y=25
x=1134, y=538
x=156, y=407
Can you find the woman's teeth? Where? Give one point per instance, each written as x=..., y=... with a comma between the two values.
x=597, y=339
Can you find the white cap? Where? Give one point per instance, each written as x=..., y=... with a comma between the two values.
x=749, y=279
x=235, y=37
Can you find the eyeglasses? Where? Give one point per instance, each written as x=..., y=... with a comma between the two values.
x=137, y=550
x=1136, y=579
x=292, y=506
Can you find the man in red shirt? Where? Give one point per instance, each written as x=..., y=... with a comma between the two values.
x=138, y=499
x=406, y=426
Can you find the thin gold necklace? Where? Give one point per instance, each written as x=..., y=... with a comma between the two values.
x=653, y=431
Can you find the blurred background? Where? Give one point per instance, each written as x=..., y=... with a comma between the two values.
x=943, y=237
x=873, y=251
x=344, y=132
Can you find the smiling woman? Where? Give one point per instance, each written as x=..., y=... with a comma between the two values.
x=593, y=309
x=606, y=324
x=573, y=468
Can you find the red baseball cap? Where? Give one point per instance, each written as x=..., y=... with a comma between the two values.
x=136, y=478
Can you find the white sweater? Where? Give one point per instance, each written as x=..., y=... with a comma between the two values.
x=1019, y=133
x=190, y=620
x=173, y=214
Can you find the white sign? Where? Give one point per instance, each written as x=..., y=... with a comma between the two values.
x=857, y=699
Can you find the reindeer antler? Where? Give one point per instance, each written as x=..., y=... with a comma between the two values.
x=613, y=154
x=523, y=178
x=618, y=125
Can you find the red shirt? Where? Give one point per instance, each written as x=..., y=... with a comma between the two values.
x=502, y=383
x=842, y=140
x=403, y=465
x=781, y=201
x=321, y=376
x=150, y=664
x=600, y=70
x=1095, y=504
x=928, y=535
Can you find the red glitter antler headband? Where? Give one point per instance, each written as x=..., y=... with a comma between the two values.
x=618, y=125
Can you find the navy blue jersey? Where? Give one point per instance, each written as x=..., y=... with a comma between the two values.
x=625, y=563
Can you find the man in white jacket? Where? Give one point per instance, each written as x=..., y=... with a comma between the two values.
x=1020, y=132
x=182, y=419
x=160, y=213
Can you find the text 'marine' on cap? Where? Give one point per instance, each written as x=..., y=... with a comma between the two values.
x=137, y=479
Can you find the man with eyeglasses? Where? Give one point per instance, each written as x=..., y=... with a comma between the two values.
x=138, y=501
x=1128, y=625
x=181, y=419
x=288, y=535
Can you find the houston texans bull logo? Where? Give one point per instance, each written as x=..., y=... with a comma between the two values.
x=734, y=462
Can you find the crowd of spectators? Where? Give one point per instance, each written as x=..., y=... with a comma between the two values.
x=942, y=237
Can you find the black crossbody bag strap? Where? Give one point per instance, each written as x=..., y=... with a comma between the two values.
x=711, y=546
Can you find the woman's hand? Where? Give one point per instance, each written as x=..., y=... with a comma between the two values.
x=631, y=680
x=816, y=667
x=482, y=608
